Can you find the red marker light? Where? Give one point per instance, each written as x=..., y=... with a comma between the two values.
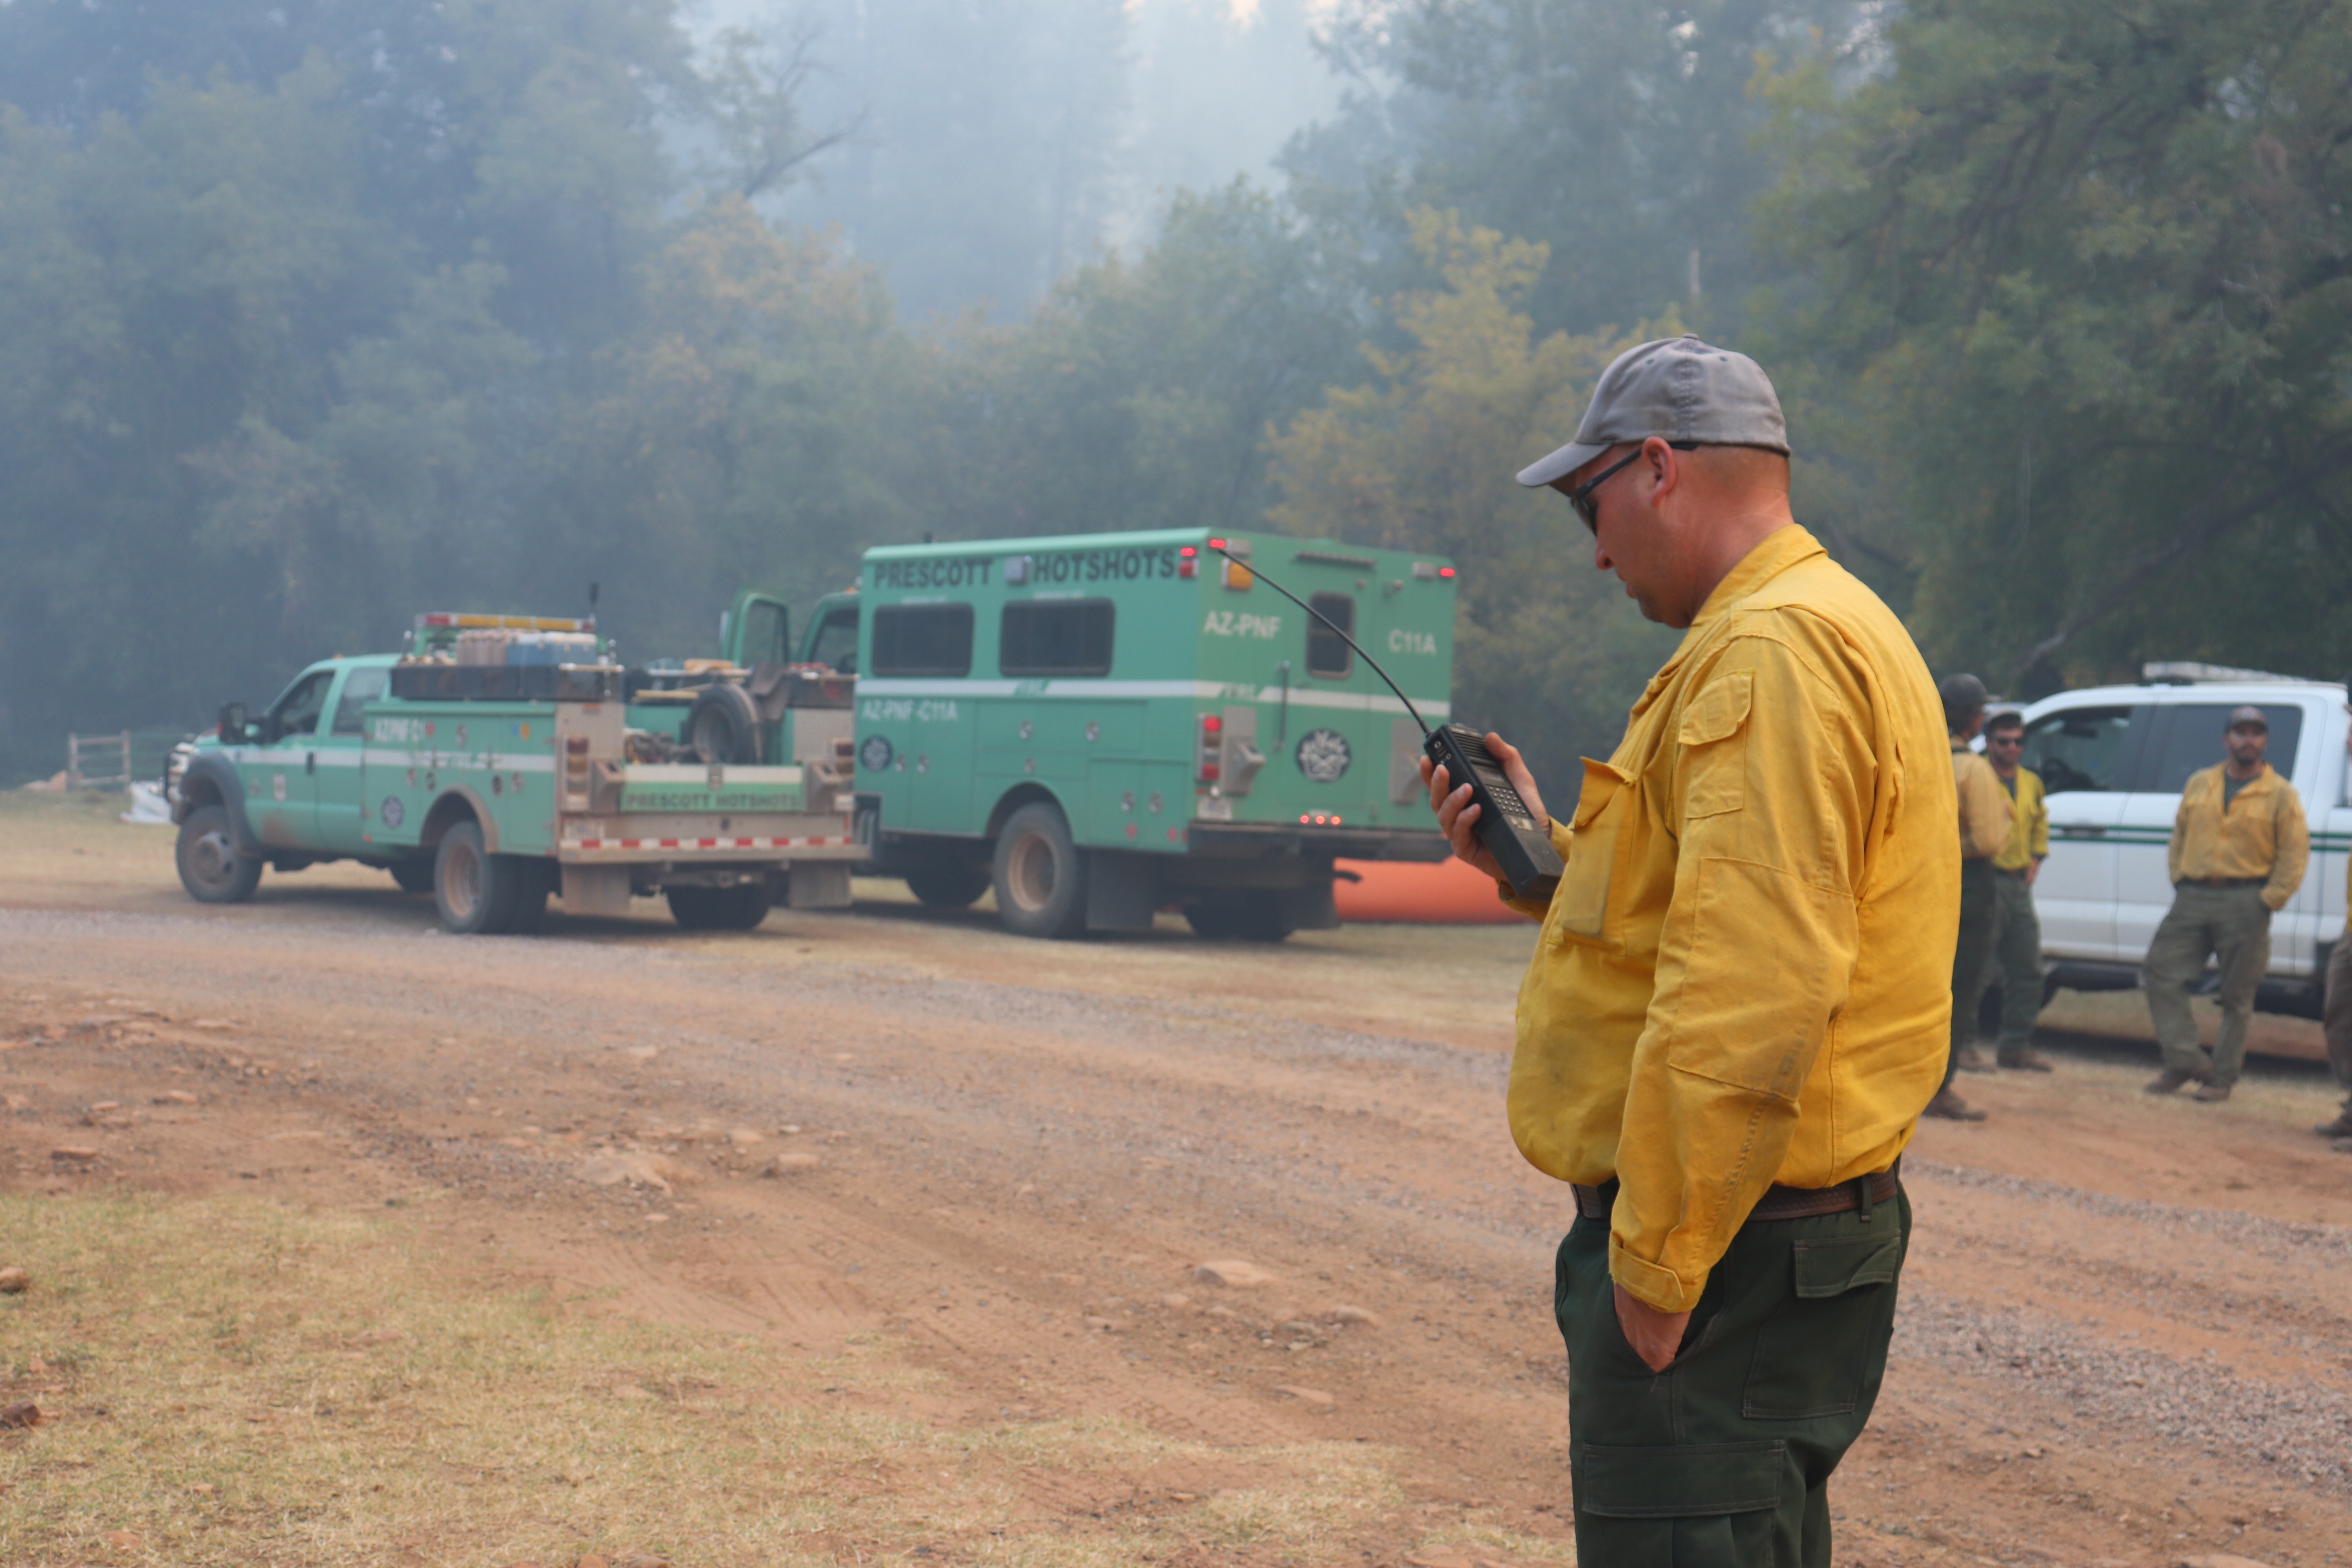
x=1217, y=545
x=1446, y=571
x=1210, y=766
x=1188, y=562
x=1302, y=819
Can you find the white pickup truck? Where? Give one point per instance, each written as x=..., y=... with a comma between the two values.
x=2113, y=759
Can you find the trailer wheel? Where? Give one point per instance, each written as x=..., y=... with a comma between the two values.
x=414, y=876
x=721, y=909
x=1039, y=876
x=1237, y=919
x=948, y=886
x=723, y=725
x=210, y=868
x=477, y=892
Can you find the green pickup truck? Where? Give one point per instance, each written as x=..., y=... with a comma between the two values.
x=1101, y=726
x=501, y=760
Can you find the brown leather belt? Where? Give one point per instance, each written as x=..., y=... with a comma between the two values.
x=1777, y=1201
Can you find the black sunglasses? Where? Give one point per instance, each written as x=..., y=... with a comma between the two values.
x=1582, y=497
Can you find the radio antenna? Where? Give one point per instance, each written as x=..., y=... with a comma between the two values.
x=1336, y=628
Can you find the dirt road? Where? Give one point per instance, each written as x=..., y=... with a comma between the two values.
x=2124, y=1338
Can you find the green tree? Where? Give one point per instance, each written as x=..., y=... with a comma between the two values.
x=767, y=422
x=1621, y=136
x=2080, y=324
x=1139, y=395
x=1547, y=649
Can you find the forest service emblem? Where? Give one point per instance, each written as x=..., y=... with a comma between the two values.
x=1323, y=755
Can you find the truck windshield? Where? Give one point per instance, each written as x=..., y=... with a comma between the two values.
x=922, y=640
x=836, y=642
x=1056, y=636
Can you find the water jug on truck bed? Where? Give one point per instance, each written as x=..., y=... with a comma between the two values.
x=495, y=763
x=1101, y=725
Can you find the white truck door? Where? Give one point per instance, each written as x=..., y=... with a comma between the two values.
x=2079, y=750
x=2316, y=914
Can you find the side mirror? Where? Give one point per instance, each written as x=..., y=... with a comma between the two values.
x=234, y=725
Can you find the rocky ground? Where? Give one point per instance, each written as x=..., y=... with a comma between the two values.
x=1245, y=1197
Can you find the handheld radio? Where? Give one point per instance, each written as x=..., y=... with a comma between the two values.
x=1505, y=827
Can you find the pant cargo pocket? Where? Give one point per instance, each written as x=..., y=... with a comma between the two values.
x=1702, y=1506
x=1813, y=1354
x=1687, y=1483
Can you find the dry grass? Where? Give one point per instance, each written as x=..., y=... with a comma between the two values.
x=232, y=1382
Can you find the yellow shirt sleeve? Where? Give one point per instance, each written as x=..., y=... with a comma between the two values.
x=1772, y=788
x=2173, y=848
x=1984, y=809
x=2038, y=830
x=2292, y=837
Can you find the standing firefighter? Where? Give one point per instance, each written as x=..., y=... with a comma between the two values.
x=1984, y=817
x=2238, y=853
x=2016, y=928
x=1738, y=1004
x=2336, y=1017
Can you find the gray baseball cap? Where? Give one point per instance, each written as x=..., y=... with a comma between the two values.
x=1680, y=388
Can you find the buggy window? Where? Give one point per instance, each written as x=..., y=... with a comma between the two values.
x=922, y=640
x=1327, y=652
x=1056, y=636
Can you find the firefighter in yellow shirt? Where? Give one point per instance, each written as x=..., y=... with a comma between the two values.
x=2239, y=850
x=1740, y=1000
x=1984, y=817
x=2016, y=927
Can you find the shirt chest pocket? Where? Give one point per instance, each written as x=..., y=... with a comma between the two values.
x=1580, y=908
x=1715, y=763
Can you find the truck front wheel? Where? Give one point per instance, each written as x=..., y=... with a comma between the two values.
x=210, y=868
x=1039, y=877
x=721, y=909
x=482, y=894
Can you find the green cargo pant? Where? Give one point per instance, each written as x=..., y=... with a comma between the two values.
x=1978, y=901
x=2335, y=1019
x=2017, y=959
x=2230, y=924
x=1723, y=1460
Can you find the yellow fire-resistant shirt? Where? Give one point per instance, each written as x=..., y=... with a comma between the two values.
x=2262, y=834
x=1746, y=974
x=2029, y=821
x=1984, y=809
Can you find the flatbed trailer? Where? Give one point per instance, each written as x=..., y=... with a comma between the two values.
x=498, y=786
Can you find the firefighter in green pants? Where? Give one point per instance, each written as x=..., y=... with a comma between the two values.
x=2238, y=853
x=2017, y=930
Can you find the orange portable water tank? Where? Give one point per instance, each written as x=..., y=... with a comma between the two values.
x=1447, y=893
